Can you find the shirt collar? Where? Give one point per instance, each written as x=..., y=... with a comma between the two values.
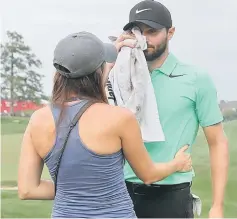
x=169, y=65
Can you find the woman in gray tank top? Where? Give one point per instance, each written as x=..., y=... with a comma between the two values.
x=86, y=165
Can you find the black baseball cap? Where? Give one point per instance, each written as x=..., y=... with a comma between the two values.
x=80, y=54
x=151, y=13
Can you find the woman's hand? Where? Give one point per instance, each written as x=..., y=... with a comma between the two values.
x=183, y=160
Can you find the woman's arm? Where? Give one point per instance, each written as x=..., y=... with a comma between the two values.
x=30, y=185
x=139, y=159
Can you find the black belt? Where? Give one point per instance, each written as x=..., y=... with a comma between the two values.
x=139, y=188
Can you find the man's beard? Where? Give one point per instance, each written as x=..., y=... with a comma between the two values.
x=156, y=53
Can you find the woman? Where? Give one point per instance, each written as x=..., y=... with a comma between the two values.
x=89, y=180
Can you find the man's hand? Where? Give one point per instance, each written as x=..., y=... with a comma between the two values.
x=122, y=41
x=118, y=43
x=216, y=212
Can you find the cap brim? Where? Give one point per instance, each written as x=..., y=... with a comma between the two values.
x=151, y=24
x=112, y=38
x=110, y=53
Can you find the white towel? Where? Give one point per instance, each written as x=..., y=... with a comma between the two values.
x=130, y=83
x=197, y=205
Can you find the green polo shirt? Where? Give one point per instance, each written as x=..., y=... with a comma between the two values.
x=186, y=98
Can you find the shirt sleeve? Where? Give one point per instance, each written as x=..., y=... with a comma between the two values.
x=207, y=107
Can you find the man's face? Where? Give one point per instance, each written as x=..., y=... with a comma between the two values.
x=156, y=41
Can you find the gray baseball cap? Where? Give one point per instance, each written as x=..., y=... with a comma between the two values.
x=80, y=54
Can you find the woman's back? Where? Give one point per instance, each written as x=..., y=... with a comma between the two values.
x=90, y=179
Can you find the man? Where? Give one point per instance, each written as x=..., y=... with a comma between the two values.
x=186, y=98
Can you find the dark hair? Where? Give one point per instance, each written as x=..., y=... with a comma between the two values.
x=87, y=87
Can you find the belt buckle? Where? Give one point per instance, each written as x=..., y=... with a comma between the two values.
x=135, y=187
x=143, y=186
x=156, y=186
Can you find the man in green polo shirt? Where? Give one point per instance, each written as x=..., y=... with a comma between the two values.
x=186, y=99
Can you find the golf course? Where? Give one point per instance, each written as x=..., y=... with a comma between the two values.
x=12, y=130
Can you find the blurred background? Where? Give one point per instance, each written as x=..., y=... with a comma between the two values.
x=206, y=33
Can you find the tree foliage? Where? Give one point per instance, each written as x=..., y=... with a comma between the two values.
x=20, y=79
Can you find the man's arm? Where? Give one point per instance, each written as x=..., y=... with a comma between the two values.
x=219, y=159
x=210, y=118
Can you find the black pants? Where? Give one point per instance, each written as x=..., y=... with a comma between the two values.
x=165, y=201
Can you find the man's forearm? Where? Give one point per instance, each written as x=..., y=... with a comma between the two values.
x=219, y=157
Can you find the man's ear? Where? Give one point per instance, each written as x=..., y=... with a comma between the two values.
x=171, y=32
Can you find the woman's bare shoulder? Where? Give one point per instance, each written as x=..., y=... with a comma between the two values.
x=41, y=117
x=116, y=114
x=115, y=111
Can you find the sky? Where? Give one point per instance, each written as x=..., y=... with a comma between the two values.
x=206, y=31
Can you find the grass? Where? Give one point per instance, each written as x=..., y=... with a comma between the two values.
x=13, y=125
x=12, y=207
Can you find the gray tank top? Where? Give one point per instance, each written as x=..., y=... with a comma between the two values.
x=89, y=185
